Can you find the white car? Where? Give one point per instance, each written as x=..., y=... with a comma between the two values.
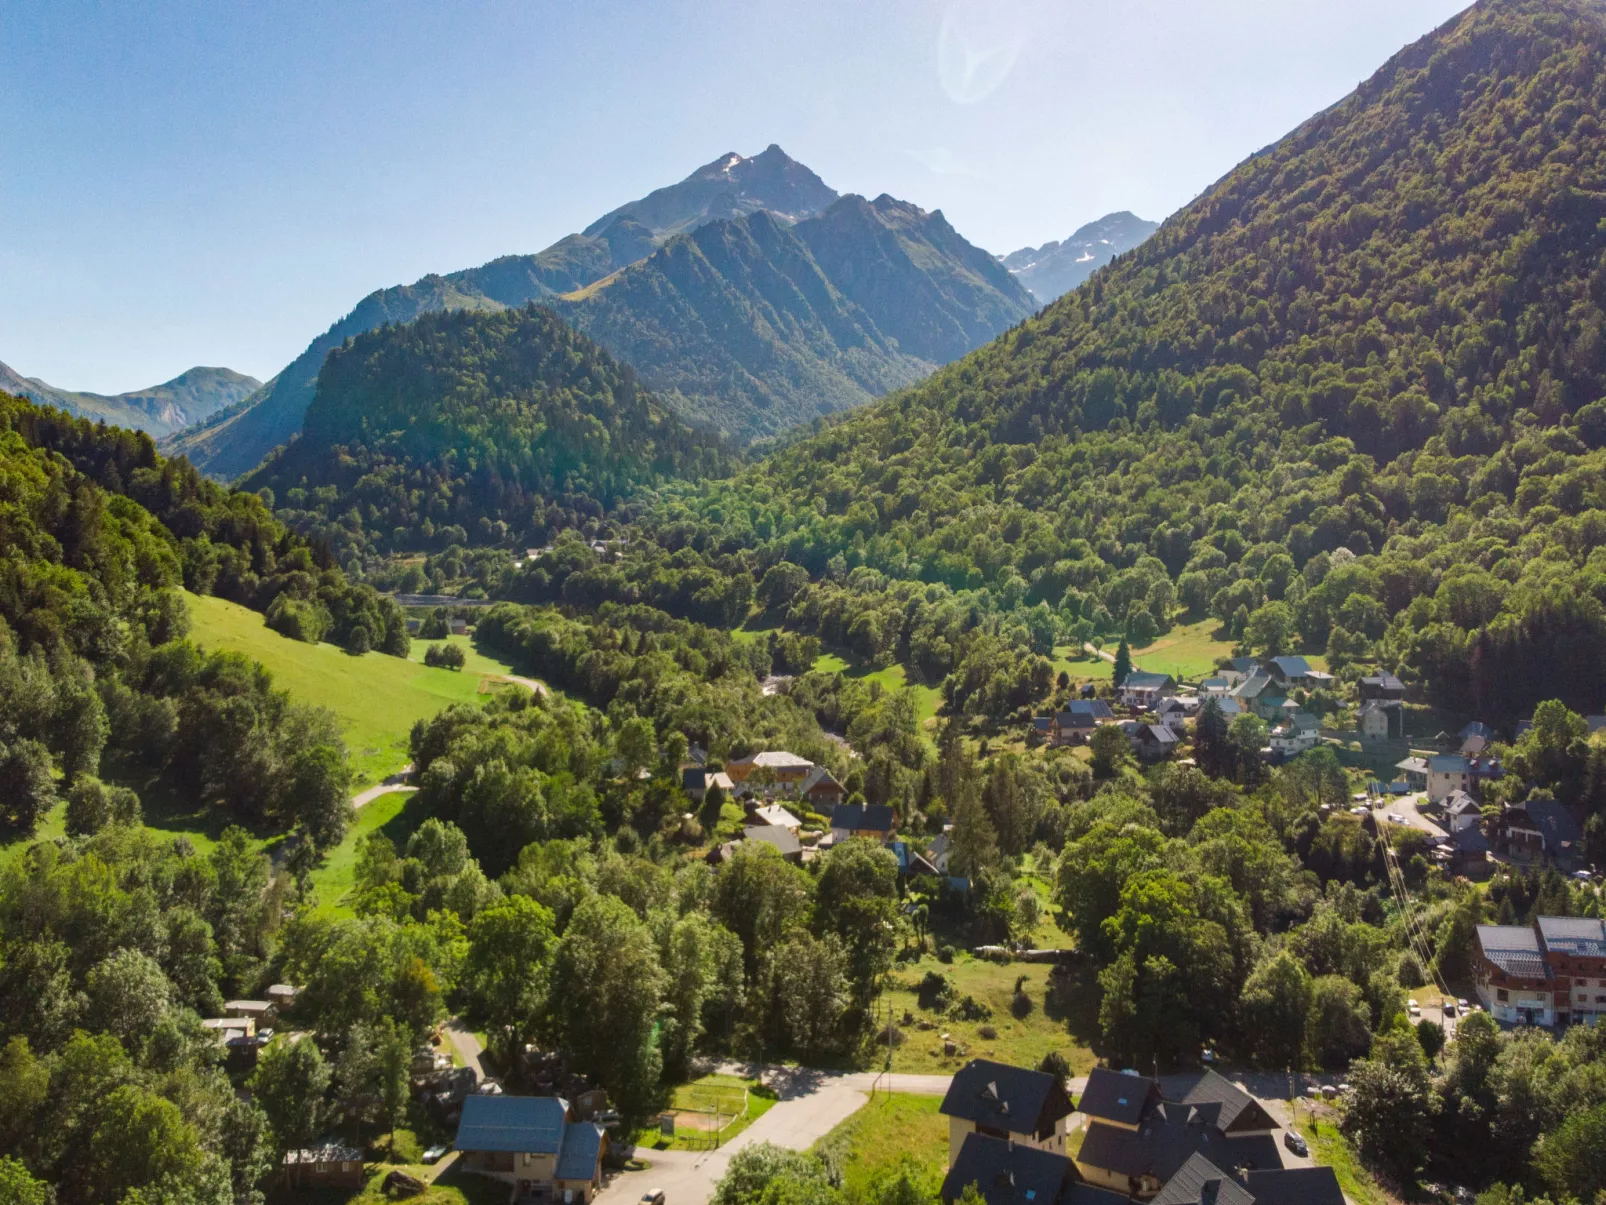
x=1396, y=818
x=1413, y=1008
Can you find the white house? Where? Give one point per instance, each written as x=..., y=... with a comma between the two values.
x=1461, y=811
x=1144, y=689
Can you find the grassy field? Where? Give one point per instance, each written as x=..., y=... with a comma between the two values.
x=884, y=1132
x=740, y=1103
x=1060, y=1020
x=1081, y=668
x=377, y=698
x=1188, y=651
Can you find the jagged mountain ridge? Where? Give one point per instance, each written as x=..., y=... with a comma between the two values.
x=188, y=398
x=781, y=367
x=1054, y=269
x=753, y=326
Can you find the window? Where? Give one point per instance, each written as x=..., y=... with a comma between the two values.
x=1500, y=994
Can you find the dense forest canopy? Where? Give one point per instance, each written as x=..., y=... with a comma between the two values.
x=1360, y=381
x=475, y=428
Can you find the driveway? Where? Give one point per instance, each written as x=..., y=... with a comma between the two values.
x=811, y=1104
x=468, y=1046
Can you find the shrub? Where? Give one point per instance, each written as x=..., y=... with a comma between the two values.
x=445, y=656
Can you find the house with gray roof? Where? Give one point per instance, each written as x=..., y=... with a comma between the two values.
x=1512, y=977
x=1025, y=1106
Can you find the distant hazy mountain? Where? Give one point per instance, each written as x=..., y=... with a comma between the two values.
x=188, y=398
x=859, y=297
x=1055, y=269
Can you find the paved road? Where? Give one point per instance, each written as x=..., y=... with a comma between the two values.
x=1405, y=807
x=396, y=782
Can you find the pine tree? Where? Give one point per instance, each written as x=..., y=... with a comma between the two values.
x=1123, y=663
x=1211, y=747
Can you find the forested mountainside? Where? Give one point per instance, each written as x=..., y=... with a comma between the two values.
x=753, y=327
x=190, y=397
x=96, y=679
x=737, y=341
x=1349, y=401
x=465, y=427
x=1054, y=269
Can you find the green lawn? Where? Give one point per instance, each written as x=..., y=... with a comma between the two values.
x=884, y=1132
x=740, y=1102
x=1083, y=667
x=1185, y=652
x=396, y=815
x=377, y=698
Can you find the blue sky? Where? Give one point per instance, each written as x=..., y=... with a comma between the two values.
x=205, y=183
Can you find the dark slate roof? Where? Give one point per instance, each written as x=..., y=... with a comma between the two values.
x=877, y=816
x=692, y=778
x=1042, y=723
x=1006, y=1098
x=1143, y=680
x=1514, y=949
x=582, y=1147
x=1470, y=840
x=531, y=1124
x=1579, y=936
x=1116, y=1097
x=1555, y=820
x=1201, y=1182
x=1292, y=667
x=1294, y=1186
x=1080, y=1192
x=1166, y=1140
x=1383, y=682
x=1007, y=1173
x=1220, y=1102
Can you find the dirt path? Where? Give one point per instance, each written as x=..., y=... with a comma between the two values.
x=1099, y=653
x=467, y=1045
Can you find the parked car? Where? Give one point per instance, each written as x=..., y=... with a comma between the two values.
x=1396, y=818
x=1412, y=1007
x=653, y=1196
x=1295, y=1143
x=436, y=1153
x=1447, y=1007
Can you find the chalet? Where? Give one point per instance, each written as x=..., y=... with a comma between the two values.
x=911, y=861
x=1513, y=979
x=1144, y=689
x=1259, y=694
x=533, y=1143
x=1381, y=686
x=1296, y=671
x=782, y=840
x=1380, y=720
x=821, y=790
x=1076, y=722
x=1200, y=1182
x=1290, y=740
x=1465, y=852
x=1150, y=742
x=1575, y=949
x=771, y=771
x=771, y=815
x=1177, y=711
x=1141, y=1132
x=1461, y=811
x=1540, y=830
x=1008, y=1173
x=1025, y=1107
x=874, y=821
x=1043, y=727
x=698, y=779
x=327, y=1166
